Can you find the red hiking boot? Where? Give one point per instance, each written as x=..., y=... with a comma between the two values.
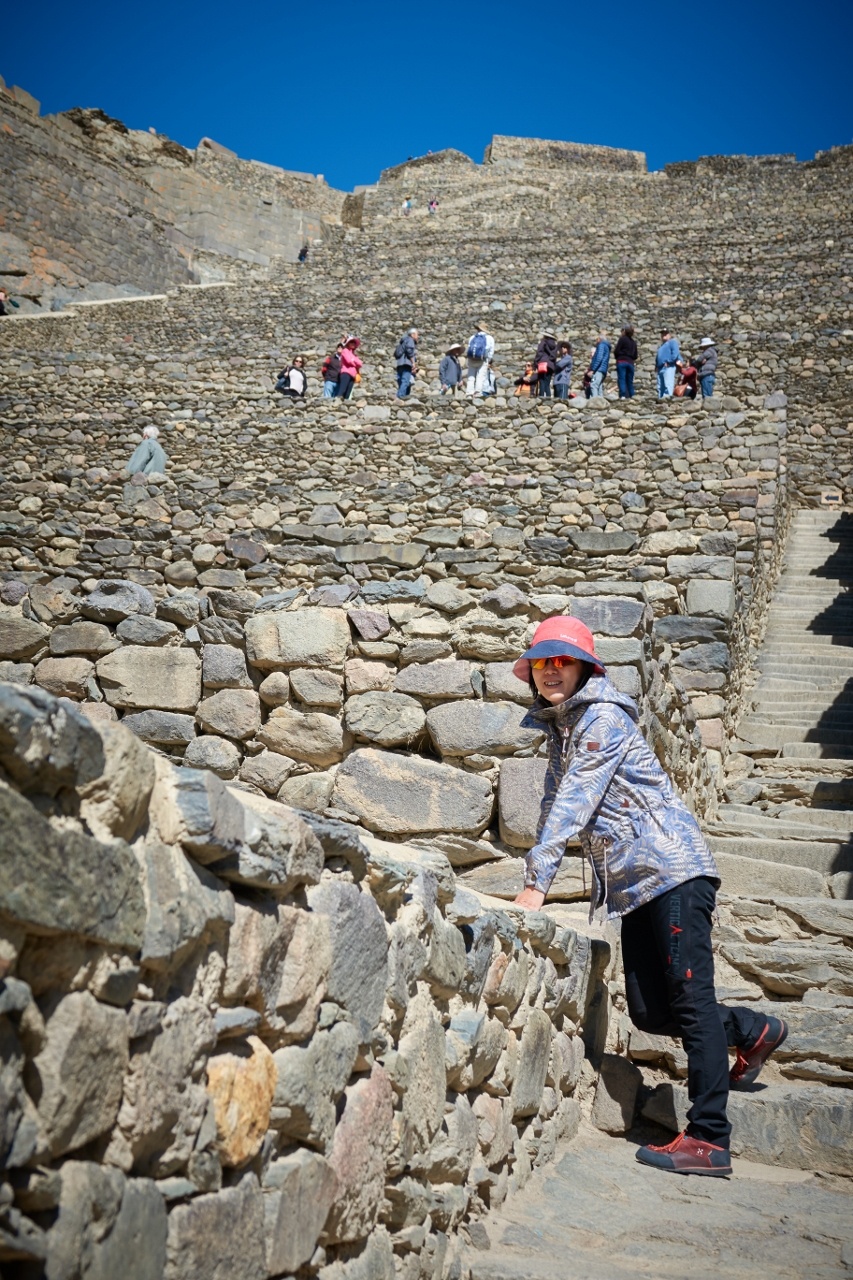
x=749, y=1061
x=686, y=1154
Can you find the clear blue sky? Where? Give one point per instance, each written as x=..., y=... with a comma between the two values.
x=346, y=89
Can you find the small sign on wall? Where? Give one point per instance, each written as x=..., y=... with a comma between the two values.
x=830, y=497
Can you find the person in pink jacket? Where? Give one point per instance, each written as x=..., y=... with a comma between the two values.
x=350, y=365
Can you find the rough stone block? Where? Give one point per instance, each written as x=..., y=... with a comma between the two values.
x=219, y=1236
x=20, y=637
x=616, y=1094
x=299, y=1191
x=306, y=638
x=474, y=727
x=107, y=1226
x=361, y=1144
x=241, y=1082
x=185, y=904
x=115, y=599
x=313, y=737
x=359, y=950
x=446, y=678
x=235, y=713
x=388, y=719
x=522, y=784
x=533, y=1061
x=137, y=678
x=401, y=795
x=310, y=1078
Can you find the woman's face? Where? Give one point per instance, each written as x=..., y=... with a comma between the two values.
x=557, y=684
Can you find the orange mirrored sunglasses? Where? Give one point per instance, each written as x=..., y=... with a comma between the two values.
x=562, y=660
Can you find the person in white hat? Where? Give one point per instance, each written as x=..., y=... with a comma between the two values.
x=705, y=365
x=450, y=370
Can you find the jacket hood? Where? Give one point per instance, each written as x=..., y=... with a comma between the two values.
x=596, y=689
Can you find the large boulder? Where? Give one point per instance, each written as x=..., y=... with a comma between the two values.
x=219, y=1236
x=388, y=719
x=359, y=969
x=235, y=713
x=20, y=637
x=305, y=638
x=446, y=678
x=406, y=795
x=522, y=784
x=475, y=727
x=316, y=738
x=113, y=600
x=138, y=677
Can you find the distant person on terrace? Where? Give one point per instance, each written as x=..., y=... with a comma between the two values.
x=599, y=364
x=481, y=349
x=625, y=355
x=406, y=362
x=148, y=457
x=526, y=385
x=292, y=382
x=563, y=374
x=545, y=361
x=667, y=360
x=331, y=371
x=450, y=370
x=705, y=364
x=350, y=367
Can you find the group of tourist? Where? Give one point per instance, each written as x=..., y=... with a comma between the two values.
x=548, y=373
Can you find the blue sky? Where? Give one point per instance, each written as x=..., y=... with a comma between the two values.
x=347, y=90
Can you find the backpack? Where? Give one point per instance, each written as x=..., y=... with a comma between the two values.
x=477, y=347
x=400, y=350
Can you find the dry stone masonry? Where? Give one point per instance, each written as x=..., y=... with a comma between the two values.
x=265, y=1001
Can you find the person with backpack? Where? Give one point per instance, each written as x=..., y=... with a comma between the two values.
x=626, y=359
x=302, y=255
x=563, y=373
x=481, y=349
x=545, y=362
x=350, y=367
x=450, y=370
x=331, y=371
x=652, y=869
x=292, y=382
x=667, y=361
x=406, y=360
x=706, y=366
x=599, y=364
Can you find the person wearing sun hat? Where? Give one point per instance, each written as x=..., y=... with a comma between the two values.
x=651, y=868
x=706, y=366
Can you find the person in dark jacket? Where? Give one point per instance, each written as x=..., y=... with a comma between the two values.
x=706, y=366
x=450, y=370
x=563, y=371
x=626, y=357
x=292, y=382
x=331, y=372
x=545, y=362
x=652, y=869
x=406, y=357
x=303, y=254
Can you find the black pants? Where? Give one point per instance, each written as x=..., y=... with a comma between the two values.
x=346, y=382
x=544, y=384
x=669, y=983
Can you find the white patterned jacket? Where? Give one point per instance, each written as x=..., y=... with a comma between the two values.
x=605, y=785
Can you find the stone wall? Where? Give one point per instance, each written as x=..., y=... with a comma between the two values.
x=239, y=1042
x=91, y=209
x=543, y=153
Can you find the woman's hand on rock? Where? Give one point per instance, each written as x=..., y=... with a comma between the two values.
x=532, y=899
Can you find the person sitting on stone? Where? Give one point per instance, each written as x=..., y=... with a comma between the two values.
x=526, y=385
x=706, y=366
x=450, y=370
x=563, y=375
x=292, y=382
x=148, y=457
x=350, y=367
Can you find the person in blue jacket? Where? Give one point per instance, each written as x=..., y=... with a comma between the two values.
x=667, y=360
x=599, y=364
x=652, y=869
x=148, y=457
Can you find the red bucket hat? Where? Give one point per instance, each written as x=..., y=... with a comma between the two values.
x=557, y=636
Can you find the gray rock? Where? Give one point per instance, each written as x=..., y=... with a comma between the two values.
x=316, y=738
x=533, y=1059
x=708, y=598
x=116, y=802
x=475, y=1042
x=446, y=962
x=185, y=904
x=790, y=968
x=46, y=746
x=522, y=784
x=616, y=1094
x=595, y=542
x=447, y=597
x=233, y=1023
x=446, y=678
x=64, y=882
x=115, y=599
x=308, y=791
x=183, y=609
x=421, y=1047
x=473, y=727
x=82, y=637
x=452, y=1153
x=80, y=1071
x=705, y=657
x=19, y=1122
x=686, y=568
x=274, y=690
x=505, y=599
x=501, y=684
x=388, y=719
x=310, y=1079
x=107, y=1226
x=143, y=630
x=359, y=968
x=375, y=1261
x=317, y=688
x=216, y=754
x=681, y=629
x=776, y=400
x=220, y=1236
x=166, y=728
x=137, y=678
x=224, y=667
x=306, y=638
x=370, y=624
x=299, y=1190
x=359, y=1151
x=65, y=677
x=401, y=795
x=20, y=638
x=609, y=615
x=270, y=849
x=235, y=713
x=267, y=771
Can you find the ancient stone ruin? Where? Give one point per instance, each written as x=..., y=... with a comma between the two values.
x=267, y=1009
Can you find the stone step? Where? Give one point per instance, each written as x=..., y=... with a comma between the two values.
x=777, y=736
x=817, y=718
x=742, y=877
x=745, y=820
x=825, y=819
x=822, y=856
x=815, y=751
x=798, y=1126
